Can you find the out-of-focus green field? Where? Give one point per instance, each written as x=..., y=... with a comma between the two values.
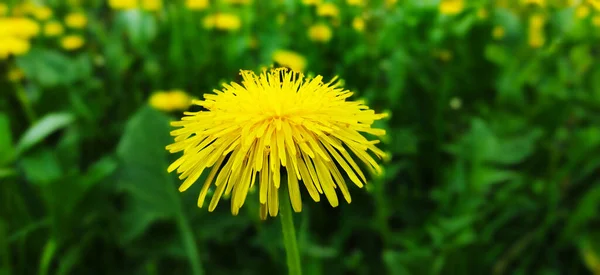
x=494, y=135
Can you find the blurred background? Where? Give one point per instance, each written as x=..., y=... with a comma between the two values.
x=494, y=135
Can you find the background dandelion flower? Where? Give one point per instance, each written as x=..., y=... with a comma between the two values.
x=273, y=120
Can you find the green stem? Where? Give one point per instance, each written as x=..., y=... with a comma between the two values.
x=289, y=234
x=22, y=97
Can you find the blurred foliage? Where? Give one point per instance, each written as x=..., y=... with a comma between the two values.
x=494, y=133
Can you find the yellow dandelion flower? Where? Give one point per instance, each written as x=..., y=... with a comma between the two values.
x=355, y=2
x=222, y=21
x=595, y=4
x=151, y=5
x=278, y=119
x=536, y=38
x=42, y=13
x=498, y=32
x=290, y=59
x=541, y=3
x=596, y=20
x=328, y=10
x=319, y=33
x=169, y=101
x=53, y=28
x=311, y=2
x=72, y=42
x=358, y=24
x=20, y=27
x=451, y=7
x=122, y=4
x=13, y=46
x=582, y=11
x=76, y=20
x=196, y=4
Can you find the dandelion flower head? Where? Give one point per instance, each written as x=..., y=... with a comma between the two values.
x=276, y=129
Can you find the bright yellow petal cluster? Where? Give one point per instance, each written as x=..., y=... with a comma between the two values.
x=151, y=5
x=311, y=2
x=15, y=35
x=277, y=128
x=72, y=42
x=53, y=28
x=123, y=4
x=320, y=33
x=328, y=10
x=536, y=37
x=76, y=20
x=169, y=101
x=451, y=7
x=222, y=21
x=358, y=24
x=290, y=59
x=196, y=4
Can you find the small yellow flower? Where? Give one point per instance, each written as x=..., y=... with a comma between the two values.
x=595, y=4
x=536, y=37
x=13, y=46
x=169, y=101
x=20, y=27
x=355, y=2
x=290, y=59
x=76, y=20
x=278, y=130
x=123, y=4
x=311, y=2
x=582, y=11
x=319, y=33
x=358, y=24
x=151, y=5
x=15, y=74
x=596, y=20
x=451, y=7
x=222, y=21
x=42, y=13
x=196, y=4
x=541, y=3
x=53, y=28
x=328, y=10
x=498, y=32
x=482, y=13
x=72, y=42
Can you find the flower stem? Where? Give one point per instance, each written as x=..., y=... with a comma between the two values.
x=289, y=234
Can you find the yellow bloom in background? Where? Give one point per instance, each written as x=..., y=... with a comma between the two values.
x=290, y=59
x=20, y=27
x=444, y=55
x=355, y=2
x=15, y=74
x=53, y=28
x=151, y=5
x=13, y=46
x=595, y=4
x=169, y=101
x=451, y=7
x=328, y=10
x=196, y=4
x=76, y=20
x=390, y=3
x=536, y=37
x=596, y=20
x=320, y=33
x=582, y=11
x=498, y=32
x=72, y=42
x=311, y=2
x=358, y=24
x=42, y=13
x=541, y=3
x=123, y=4
x=278, y=119
x=222, y=21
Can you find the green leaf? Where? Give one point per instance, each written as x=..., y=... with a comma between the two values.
x=42, y=129
x=152, y=194
x=41, y=167
x=7, y=149
x=586, y=211
x=50, y=68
